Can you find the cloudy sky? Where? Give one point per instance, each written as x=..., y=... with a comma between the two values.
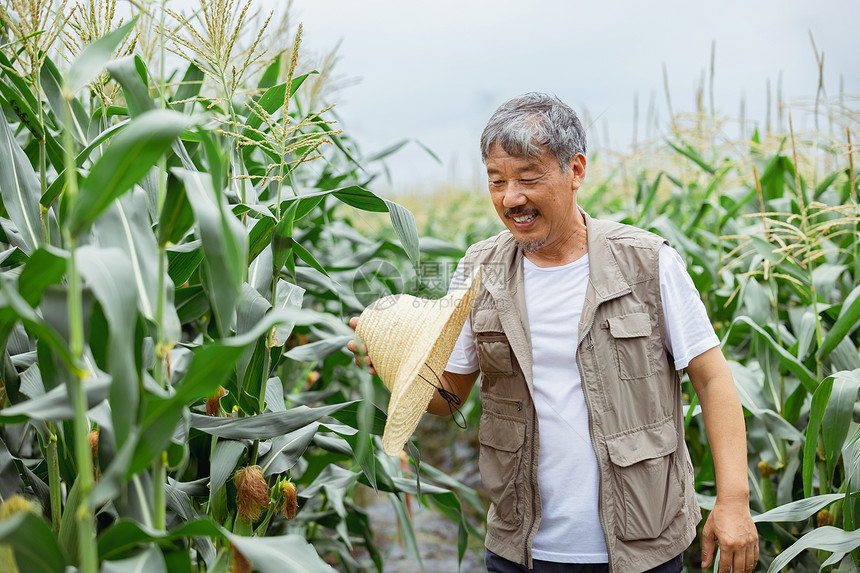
x=435, y=70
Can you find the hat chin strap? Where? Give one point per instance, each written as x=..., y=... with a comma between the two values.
x=452, y=399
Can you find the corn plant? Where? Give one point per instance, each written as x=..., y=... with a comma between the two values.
x=173, y=304
x=775, y=257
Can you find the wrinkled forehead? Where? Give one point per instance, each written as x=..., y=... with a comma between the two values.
x=531, y=150
x=534, y=157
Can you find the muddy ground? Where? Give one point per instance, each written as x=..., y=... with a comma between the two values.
x=455, y=452
x=437, y=541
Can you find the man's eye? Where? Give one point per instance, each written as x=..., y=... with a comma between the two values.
x=528, y=181
x=497, y=182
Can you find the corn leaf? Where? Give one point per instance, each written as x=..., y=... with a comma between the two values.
x=210, y=366
x=126, y=226
x=849, y=318
x=224, y=245
x=224, y=460
x=192, y=83
x=51, y=81
x=391, y=149
x=130, y=156
x=183, y=260
x=176, y=216
x=647, y=193
x=749, y=388
x=837, y=418
x=264, y=426
x=278, y=554
x=407, y=532
x=250, y=369
x=404, y=225
x=289, y=297
x=826, y=538
x=789, y=362
x=282, y=244
x=19, y=186
x=23, y=106
x=317, y=351
x=306, y=256
x=126, y=535
x=35, y=545
x=55, y=404
x=10, y=481
x=799, y=510
x=270, y=75
x=816, y=415
x=56, y=187
x=46, y=267
x=13, y=304
x=690, y=153
x=778, y=170
x=271, y=101
x=286, y=450
x=68, y=536
x=361, y=198
x=109, y=274
x=150, y=560
x=767, y=250
x=21, y=85
x=93, y=58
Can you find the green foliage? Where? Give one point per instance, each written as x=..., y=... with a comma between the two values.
x=776, y=261
x=174, y=290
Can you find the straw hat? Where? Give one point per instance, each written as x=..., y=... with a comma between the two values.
x=409, y=341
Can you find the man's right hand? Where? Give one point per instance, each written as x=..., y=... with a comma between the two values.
x=361, y=357
x=458, y=384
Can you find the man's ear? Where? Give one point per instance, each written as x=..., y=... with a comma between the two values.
x=576, y=170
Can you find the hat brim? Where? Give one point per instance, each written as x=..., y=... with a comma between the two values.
x=412, y=369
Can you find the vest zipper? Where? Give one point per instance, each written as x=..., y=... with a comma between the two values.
x=590, y=348
x=517, y=403
x=526, y=551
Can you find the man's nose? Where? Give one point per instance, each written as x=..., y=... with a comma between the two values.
x=514, y=195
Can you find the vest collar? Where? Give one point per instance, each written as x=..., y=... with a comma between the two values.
x=604, y=274
x=503, y=279
x=605, y=279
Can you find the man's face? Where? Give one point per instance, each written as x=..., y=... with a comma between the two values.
x=534, y=198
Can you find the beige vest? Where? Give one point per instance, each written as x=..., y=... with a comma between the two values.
x=648, y=508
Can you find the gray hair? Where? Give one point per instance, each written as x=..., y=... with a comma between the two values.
x=525, y=123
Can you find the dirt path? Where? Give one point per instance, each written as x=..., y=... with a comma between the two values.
x=454, y=452
x=437, y=541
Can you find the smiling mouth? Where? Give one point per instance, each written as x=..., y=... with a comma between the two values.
x=522, y=216
x=522, y=219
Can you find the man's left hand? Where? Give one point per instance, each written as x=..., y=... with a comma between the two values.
x=730, y=525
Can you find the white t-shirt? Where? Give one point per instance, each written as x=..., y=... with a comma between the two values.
x=570, y=530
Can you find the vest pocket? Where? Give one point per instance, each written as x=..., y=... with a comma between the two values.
x=494, y=353
x=648, y=492
x=500, y=460
x=630, y=337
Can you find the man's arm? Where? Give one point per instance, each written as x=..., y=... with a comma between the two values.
x=729, y=524
x=458, y=384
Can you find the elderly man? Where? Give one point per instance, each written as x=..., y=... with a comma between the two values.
x=580, y=332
